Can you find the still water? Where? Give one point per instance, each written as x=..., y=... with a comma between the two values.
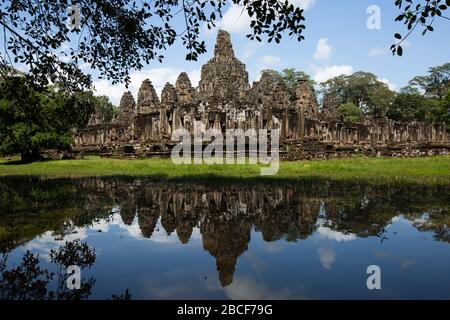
x=246, y=240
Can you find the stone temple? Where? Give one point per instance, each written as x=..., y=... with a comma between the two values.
x=224, y=99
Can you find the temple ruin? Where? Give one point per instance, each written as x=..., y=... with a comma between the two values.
x=224, y=99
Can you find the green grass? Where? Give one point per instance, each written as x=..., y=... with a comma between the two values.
x=434, y=170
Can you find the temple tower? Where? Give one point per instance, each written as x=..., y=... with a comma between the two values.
x=148, y=100
x=126, y=108
x=224, y=78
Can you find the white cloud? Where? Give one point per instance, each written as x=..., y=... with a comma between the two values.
x=391, y=86
x=272, y=247
x=49, y=241
x=158, y=76
x=235, y=20
x=378, y=52
x=327, y=257
x=325, y=232
x=322, y=74
x=194, y=76
x=250, y=48
x=323, y=50
x=104, y=88
x=244, y=288
x=304, y=4
x=265, y=62
x=270, y=61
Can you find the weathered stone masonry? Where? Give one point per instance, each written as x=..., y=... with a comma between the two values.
x=225, y=99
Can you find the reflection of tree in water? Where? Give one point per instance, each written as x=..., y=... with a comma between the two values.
x=436, y=221
x=28, y=281
x=225, y=214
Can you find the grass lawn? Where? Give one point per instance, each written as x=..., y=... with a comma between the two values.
x=432, y=170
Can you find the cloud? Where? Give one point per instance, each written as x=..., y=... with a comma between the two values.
x=235, y=20
x=250, y=48
x=270, y=61
x=304, y=4
x=244, y=288
x=272, y=247
x=325, y=232
x=323, y=50
x=327, y=257
x=322, y=74
x=264, y=63
x=104, y=88
x=49, y=241
x=378, y=52
x=158, y=76
x=391, y=86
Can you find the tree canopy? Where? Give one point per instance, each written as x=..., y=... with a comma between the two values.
x=53, y=38
x=350, y=112
x=362, y=89
x=118, y=36
x=435, y=84
x=32, y=120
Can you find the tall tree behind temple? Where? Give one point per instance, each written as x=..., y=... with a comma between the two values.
x=363, y=89
x=31, y=120
x=435, y=84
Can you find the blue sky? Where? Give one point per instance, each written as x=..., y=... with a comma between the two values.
x=337, y=41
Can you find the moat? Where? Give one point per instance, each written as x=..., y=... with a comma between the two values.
x=312, y=239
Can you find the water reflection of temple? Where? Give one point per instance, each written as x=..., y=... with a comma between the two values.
x=225, y=215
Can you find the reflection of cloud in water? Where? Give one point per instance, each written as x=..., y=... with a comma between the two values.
x=48, y=241
x=327, y=256
x=404, y=262
x=159, y=235
x=255, y=262
x=327, y=233
x=244, y=288
x=272, y=247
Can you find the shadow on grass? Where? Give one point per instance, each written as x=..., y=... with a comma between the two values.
x=11, y=162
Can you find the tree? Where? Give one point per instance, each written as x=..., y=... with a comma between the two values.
x=115, y=36
x=416, y=13
x=105, y=108
x=31, y=120
x=350, y=112
x=446, y=108
x=416, y=107
x=406, y=107
x=101, y=104
x=435, y=84
x=30, y=281
x=290, y=77
x=363, y=89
